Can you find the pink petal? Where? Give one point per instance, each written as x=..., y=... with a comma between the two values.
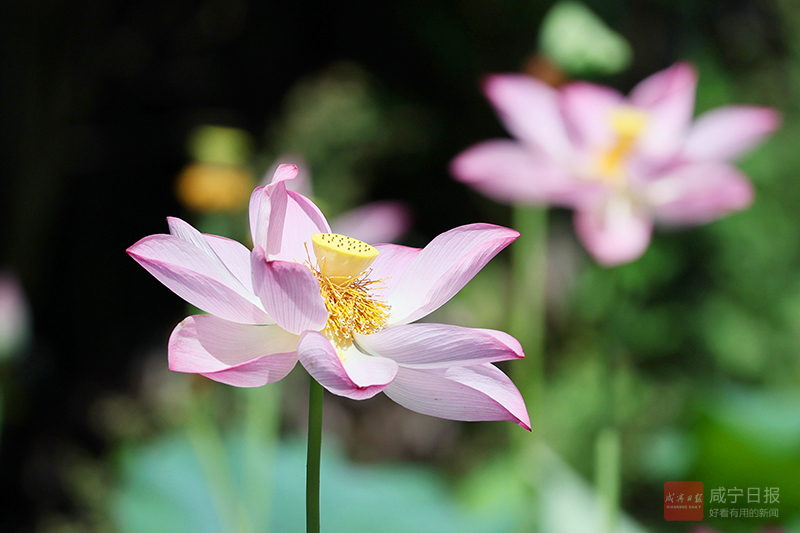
x=300, y=183
x=260, y=205
x=508, y=172
x=699, y=193
x=728, y=132
x=376, y=222
x=235, y=354
x=198, y=278
x=278, y=199
x=303, y=219
x=440, y=345
x=184, y=231
x=587, y=108
x=235, y=256
x=392, y=261
x=289, y=292
x=282, y=221
x=668, y=98
x=259, y=215
x=232, y=258
x=530, y=111
x=293, y=219
x=233, y=251
x=469, y=393
x=614, y=233
x=677, y=81
x=354, y=375
x=443, y=267
x=283, y=173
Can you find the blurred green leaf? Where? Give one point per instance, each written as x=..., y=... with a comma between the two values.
x=221, y=145
x=568, y=503
x=735, y=337
x=666, y=453
x=480, y=303
x=578, y=41
x=751, y=438
x=341, y=124
x=162, y=488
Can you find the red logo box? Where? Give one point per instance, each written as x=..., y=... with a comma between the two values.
x=683, y=500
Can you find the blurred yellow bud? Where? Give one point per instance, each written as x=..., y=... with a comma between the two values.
x=208, y=188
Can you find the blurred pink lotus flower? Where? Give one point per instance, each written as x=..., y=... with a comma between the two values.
x=620, y=162
x=340, y=306
x=15, y=316
x=375, y=222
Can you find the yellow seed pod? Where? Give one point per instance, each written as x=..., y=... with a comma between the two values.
x=339, y=256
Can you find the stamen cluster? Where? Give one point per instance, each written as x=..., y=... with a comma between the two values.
x=352, y=308
x=627, y=123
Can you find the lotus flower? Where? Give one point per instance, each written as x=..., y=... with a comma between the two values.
x=15, y=316
x=381, y=221
x=620, y=162
x=342, y=307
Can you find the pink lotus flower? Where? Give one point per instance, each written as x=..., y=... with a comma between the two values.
x=340, y=306
x=380, y=221
x=619, y=162
x=15, y=316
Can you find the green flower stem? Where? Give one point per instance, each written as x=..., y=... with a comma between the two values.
x=527, y=321
x=315, y=396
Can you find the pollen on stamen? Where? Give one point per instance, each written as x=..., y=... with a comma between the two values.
x=345, y=285
x=352, y=307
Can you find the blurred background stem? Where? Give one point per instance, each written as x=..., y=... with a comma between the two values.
x=608, y=457
x=315, y=396
x=608, y=443
x=207, y=442
x=261, y=432
x=527, y=324
x=527, y=320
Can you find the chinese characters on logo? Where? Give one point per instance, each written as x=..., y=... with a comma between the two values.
x=683, y=500
x=768, y=496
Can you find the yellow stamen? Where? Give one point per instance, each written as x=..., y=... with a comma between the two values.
x=351, y=308
x=346, y=288
x=627, y=122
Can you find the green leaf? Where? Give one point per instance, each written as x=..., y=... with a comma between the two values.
x=163, y=488
x=221, y=145
x=578, y=41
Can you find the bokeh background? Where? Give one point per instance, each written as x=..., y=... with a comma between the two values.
x=106, y=108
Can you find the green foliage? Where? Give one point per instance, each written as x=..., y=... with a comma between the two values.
x=579, y=42
x=341, y=124
x=220, y=145
x=163, y=488
x=750, y=438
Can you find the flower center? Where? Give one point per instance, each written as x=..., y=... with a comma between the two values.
x=627, y=122
x=345, y=286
